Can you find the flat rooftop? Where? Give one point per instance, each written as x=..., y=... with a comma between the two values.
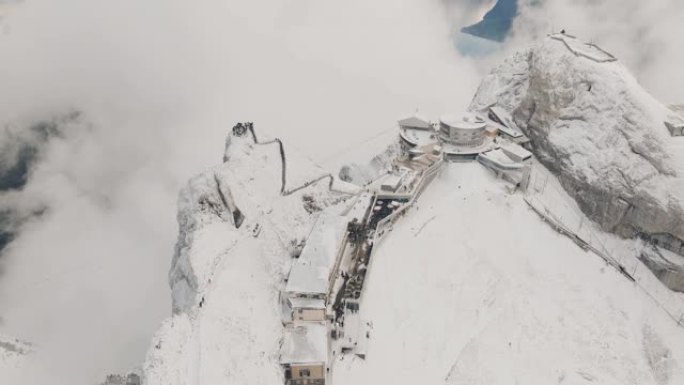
x=507, y=124
x=307, y=303
x=499, y=157
x=305, y=344
x=516, y=150
x=307, y=279
x=310, y=272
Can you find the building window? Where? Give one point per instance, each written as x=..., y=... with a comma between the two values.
x=305, y=373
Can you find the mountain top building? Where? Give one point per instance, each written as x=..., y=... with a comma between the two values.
x=466, y=129
x=510, y=162
x=306, y=291
x=304, y=354
x=416, y=130
x=505, y=120
x=504, y=125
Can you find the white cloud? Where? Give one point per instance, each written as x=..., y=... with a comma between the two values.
x=645, y=35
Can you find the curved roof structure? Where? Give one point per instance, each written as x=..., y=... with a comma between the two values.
x=465, y=121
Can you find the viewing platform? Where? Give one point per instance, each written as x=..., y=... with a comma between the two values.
x=587, y=50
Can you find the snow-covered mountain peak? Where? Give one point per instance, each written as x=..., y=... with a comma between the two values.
x=604, y=136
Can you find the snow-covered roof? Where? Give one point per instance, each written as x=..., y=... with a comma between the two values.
x=324, y=240
x=497, y=155
x=311, y=270
x=465, y=121
x=415, y=121
x=507, y=124
x=307, y=303
x=408, y=138
x=307, y=279
x=499, y=160
x=513, y=133
x=502, y=115
x=392, y=181
x=359, y=207
x=417, y=137
x=305, y=344
x=516, y=151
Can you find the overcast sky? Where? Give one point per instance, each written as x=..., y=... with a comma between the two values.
x=159, y=83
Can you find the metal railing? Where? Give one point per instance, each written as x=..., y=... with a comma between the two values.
x=240, y=129
x=584, y=234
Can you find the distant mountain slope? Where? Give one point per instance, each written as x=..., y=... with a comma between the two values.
x=20, y=150
x=496, y=23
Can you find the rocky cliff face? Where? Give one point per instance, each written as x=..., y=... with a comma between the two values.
x=601, y=133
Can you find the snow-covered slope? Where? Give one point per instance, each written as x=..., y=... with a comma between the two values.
x=601, y=133
x=473, y=288
x=470, y=287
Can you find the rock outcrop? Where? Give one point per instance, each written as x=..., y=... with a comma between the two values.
x=601, y=133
